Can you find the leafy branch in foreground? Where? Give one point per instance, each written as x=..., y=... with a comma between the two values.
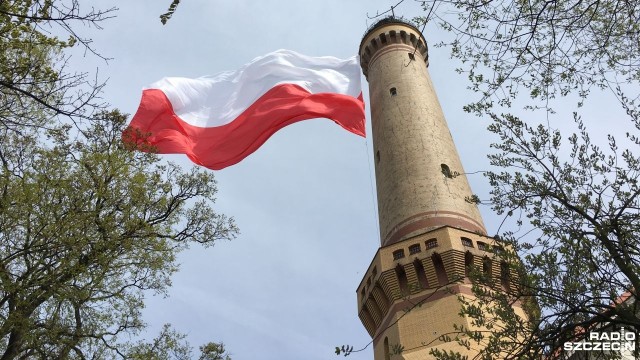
x=87, y=228
x=171, y=345
x=35, y=82
x=170, y=11
x=579, y=234
x=544, y=49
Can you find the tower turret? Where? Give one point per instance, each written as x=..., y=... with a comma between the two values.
x=430, y=235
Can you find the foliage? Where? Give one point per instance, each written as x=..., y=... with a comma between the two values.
x=574, y=200
x=213, y=351
x=87, y=228
x=170, y=11
x=539, y=47
x=170, y=345
x=33, y=68
x=582, y=252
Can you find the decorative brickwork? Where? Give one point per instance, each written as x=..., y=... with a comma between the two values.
x=385, y=302
x=381, y=298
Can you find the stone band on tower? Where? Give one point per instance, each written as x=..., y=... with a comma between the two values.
x=419, y=177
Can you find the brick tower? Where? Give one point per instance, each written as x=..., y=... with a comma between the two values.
x=430, y=235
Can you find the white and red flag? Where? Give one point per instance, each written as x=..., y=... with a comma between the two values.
x=219, y=120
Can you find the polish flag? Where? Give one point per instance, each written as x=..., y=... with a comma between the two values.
x=219, y=120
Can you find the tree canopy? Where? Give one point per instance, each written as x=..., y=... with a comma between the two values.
x=570, y=203
x=33, y=66
x=87, y=226
x=540, y=49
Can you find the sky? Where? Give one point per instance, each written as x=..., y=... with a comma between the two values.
x=304, y=202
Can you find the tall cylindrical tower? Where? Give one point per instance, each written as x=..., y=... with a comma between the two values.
x=419, y=177
x=431, y=237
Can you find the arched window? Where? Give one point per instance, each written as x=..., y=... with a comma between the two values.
x=413, y=39
x=468, y=263
x=422, y=277
x=504, y=275
x=387, y=352
x=441, y=273
x=402, y=280
x=486, y=268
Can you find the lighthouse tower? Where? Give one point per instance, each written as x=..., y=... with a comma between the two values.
x=430, y=233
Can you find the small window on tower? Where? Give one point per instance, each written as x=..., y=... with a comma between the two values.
x=467, y=242
x=431, y=243
x=378, y=156
x=411, y=56
x=414, y=249
x=482, y=246
x=398, y=254
x=446, y=171
x=393, y=91
x=413, y=39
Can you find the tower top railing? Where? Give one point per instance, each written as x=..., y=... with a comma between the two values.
x=391, y=31
x=389, y=20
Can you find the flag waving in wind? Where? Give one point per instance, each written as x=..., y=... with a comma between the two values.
x=219, y=120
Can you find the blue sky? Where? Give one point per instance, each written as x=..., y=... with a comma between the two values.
x=304, y=202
